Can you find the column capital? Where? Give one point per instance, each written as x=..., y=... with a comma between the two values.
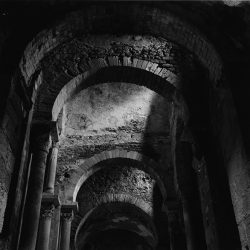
x=68, y=216
x=67, y=210
x=49, y=202
x=47, y=210
x=51, y=198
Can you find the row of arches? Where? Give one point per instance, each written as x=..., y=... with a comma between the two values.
x=105, y=44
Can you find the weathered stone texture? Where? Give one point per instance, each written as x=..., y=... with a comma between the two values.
x=110, y=116
x=159, y=57
x=149, y=46
x=78, y=55
x=113, y=182
x=106, y=108
x=161, y=23
x=7, y=159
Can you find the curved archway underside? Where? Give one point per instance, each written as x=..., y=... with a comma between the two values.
x=118, y=19
x=114, y=216
x=151, y=62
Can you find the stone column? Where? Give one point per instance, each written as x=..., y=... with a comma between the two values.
x=49, y=203
x=207, y=205
x=66, y=218
x=189, y=195
x=190, y=239
x=40, y=142
x=50, y=180
x=47, y=211
x=176, y=232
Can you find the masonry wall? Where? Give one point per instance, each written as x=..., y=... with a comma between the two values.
x=109, y=116
x=12, y=129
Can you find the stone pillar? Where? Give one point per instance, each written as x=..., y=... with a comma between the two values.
x=47, y=211
x=176, y=232
x=189, y=232
x=66, y=219
x=50, y=180
x=55, y=229
x=189, y=195
x=207, y=205
x=65, y=230
x=49, y=203
x=40, y=142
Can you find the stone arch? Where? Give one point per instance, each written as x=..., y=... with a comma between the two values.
x=162, y=24
x=90, y=213
x=89, y=167
x=116, y=70
x=159, y=23
x=127, y=198
x=87, y=70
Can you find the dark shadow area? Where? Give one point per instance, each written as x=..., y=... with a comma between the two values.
x=199, y=97
x=228, y=234
x=160, y=220
x=171, y=233
x=124, y=220
x=189, y=195
x=156, y=145
x=114, y=239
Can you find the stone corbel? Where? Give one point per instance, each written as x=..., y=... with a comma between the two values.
x=49, y=203
x=67, y=210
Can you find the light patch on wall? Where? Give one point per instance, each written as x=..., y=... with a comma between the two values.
x=233, y=2
x=3, y=203
x=106, y=108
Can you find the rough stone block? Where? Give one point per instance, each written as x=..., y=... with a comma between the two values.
x=110, y=154
x=139, y=64
x=103, y=156
x=113, y=61
x=99, y=157
x=123, y=153
x=145, y=64
x=153, y=67
x=127, y=61
x=116, y=153
x=157, y=71
x=135, y=60
x=138, y=157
